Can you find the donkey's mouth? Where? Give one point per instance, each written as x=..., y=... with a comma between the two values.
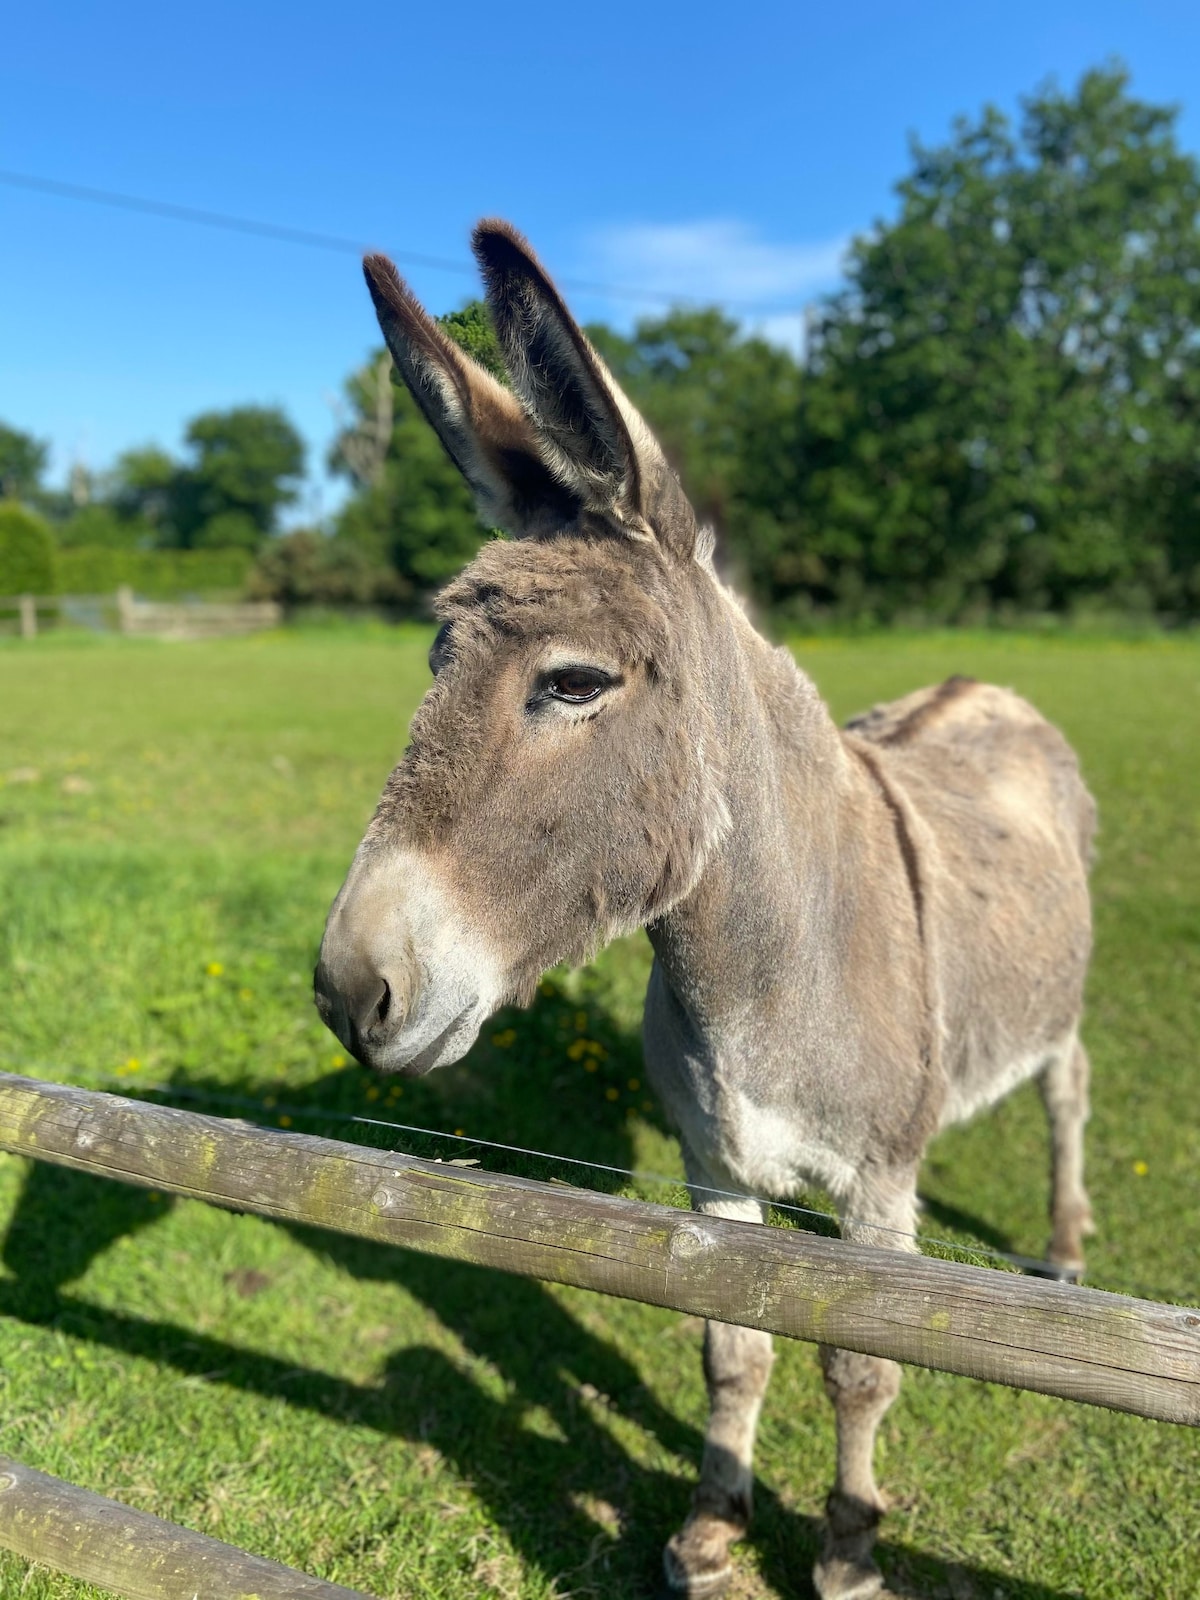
x=453, y=1042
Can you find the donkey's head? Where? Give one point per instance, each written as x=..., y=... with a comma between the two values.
x=563, y=781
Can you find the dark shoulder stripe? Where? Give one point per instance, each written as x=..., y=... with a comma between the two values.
x=929, y=710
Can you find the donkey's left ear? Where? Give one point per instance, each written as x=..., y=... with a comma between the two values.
x=593, y=438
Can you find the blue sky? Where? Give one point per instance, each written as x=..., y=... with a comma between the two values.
x=721, y=153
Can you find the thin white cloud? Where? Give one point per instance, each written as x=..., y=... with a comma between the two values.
x=718, y=260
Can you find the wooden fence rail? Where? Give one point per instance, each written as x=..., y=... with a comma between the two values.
x=1081, y=1344
x=180, y=619
x=133, y=1553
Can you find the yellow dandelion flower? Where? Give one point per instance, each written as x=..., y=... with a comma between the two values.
x=594, y=1048
x=215, y=969
x=590, y=1066
x=337, y=1061
x=612, y=1094
x=576, y=1049
x=504, y=1038
x=372, y=1093
x=1140, y=1168
x=634, y=1085
x=285, y=1122
x=580, y=1021
x=245, y=994
x=459, y=1132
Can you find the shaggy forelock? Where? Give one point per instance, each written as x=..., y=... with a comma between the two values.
x=599, y=595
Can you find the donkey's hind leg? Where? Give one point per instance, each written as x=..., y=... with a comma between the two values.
x=737, y=1365
x=861, y=1389
x=1064, y=1086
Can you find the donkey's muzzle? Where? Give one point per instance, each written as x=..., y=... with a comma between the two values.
x=359, y=1005
x=402, y=979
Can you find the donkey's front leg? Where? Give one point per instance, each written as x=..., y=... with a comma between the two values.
x=737, y=1365
x=861, y=1389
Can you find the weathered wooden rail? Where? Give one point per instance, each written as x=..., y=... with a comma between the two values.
x=133, y=1553
x=1081, y=1344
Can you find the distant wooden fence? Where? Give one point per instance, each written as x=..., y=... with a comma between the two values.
x=182, y=619
x=1081, y=1344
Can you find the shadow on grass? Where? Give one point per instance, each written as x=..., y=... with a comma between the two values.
x=966, y=1223
x=544, y=1457
x=543, y=1491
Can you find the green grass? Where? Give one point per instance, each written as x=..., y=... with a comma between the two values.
x=173, y=823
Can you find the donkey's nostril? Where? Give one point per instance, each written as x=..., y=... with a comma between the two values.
x=384, y=1005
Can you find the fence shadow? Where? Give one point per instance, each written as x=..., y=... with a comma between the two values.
x=576, y=1508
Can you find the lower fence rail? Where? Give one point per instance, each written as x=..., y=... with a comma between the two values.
x=133, y=1553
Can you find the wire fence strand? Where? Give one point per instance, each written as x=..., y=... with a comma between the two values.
x=267, y=1111
x=636, y=1175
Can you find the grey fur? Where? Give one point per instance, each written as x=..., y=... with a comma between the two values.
x=860, y=935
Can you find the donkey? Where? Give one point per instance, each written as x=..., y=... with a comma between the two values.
x=860, y=935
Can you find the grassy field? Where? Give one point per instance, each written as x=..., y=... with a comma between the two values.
x=174, y=820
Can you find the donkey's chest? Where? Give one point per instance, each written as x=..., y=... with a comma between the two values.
x=772, y=1150
x=742, y=1115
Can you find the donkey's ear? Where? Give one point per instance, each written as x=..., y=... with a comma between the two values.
x=591, y=434
x=481, y=424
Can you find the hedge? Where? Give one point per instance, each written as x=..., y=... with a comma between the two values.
x=27, y=554
x=156, y=574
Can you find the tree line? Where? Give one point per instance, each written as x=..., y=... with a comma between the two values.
x=998, y=414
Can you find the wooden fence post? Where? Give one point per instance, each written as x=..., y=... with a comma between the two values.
x=125, y=609
x=27, y=605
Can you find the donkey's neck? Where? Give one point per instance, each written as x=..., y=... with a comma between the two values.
x=766, y=897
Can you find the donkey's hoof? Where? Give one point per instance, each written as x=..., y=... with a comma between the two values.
x=1067, y=1271
x=845, y=1570
x=837, y=1579
x=696, y=1561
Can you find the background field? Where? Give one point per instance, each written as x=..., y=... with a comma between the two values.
x=173, y=823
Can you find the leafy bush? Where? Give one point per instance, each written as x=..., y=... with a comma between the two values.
x=229, y=530
x=306, y=568
x=27, y=555
x=101, y=525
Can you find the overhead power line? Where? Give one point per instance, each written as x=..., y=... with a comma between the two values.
x=343, y=245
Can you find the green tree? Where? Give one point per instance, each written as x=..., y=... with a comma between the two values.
x=22, y=463
x=140, y=489
x=724, y=405
x=27, y=555
x=471, y=329
x=246, y=464
x=100, y=526
x=309, y=568
x=1003, y=406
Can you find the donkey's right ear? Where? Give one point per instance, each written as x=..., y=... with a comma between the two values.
x=483, y=427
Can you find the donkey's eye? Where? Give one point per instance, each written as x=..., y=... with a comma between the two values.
x=439, y=650
x=577, y=685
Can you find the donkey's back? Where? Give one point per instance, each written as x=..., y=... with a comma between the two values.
x=1000, y=825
